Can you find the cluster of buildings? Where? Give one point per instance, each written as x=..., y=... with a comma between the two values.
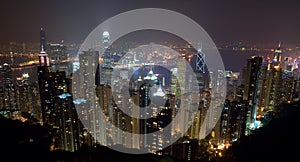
x=120, y=100
x=254, y=96
x=146, y=105
x=18, y=97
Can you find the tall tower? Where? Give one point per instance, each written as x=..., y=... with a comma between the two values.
x=43, y=40
x=58, y=110
x=253, y=71
x=46, y=87
x=84, y=87
x=202, y=76
x=200, y=62
x=57, y=106
x=106, y=50
x=106, y=66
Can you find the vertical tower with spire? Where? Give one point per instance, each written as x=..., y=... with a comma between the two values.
x=43, y=43
x=106, y=50
x=200, y=63
x=45, y=81
x=57, y=107
x=106, y=66
x=46, y=84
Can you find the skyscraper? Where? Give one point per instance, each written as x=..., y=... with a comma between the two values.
x=106, y=66
x=252, y=74
x=200, y=62
x=84, y=92
x=273, y=88
x=106, y=50
x=57, y=106
x=46, y=87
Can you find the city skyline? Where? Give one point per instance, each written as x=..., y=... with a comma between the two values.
x=150, y=83
x=252, y=98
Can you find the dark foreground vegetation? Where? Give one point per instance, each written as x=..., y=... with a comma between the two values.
x=278, y=140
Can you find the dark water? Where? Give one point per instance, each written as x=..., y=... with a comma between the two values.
x=17, y=72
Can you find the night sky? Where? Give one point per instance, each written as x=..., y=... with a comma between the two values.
x=225, y=20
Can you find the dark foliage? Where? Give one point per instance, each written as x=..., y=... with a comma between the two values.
x=277, y=141
x=23, y=141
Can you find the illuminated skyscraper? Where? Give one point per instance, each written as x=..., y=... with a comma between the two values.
x=58, y=110
x=200, y=62
x=69, y=128
x=46, y=86
x=106, y=66
x=232, y=122
x=262, y=88
x=84, y=90
x=57, y=106
x=106, y=50
x=252, y=74
x=274, y=84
